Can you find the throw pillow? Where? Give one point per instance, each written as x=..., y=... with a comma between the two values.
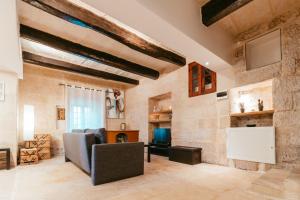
x=100, y=135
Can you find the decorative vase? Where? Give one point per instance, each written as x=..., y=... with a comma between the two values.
x=242, y=110
x=260, y=108
x=123, y=126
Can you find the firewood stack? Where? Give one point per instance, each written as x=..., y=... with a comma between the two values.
x=43, y=144
x=28, y=156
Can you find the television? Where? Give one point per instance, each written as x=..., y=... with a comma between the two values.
x=162, y=136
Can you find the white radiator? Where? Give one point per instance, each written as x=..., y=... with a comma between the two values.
x=251, y=143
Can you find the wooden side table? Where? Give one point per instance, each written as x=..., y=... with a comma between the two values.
x=7, y=150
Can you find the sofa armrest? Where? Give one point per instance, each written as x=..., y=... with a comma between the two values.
x=78, y=148
x=111, y=162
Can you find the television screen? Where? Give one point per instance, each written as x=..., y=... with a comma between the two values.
x=162, y=136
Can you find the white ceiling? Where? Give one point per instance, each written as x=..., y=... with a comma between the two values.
x=41, y=20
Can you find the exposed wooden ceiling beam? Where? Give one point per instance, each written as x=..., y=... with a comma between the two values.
x=66, y=66
x=214, y=10
x=83, y=51
x=80, y=16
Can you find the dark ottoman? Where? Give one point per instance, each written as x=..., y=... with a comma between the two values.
x=187, y=155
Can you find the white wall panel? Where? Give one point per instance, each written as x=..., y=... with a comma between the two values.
x=251, y=143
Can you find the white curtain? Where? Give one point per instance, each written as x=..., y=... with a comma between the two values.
x=86, y=108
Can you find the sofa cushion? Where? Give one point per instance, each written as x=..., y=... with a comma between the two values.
x=100, y=135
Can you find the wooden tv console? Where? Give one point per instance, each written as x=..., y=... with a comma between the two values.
x=130, y=135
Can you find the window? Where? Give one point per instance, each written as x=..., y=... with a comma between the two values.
x=85, y=109
x=28, y=122
x=80, y=117
x=76, y=117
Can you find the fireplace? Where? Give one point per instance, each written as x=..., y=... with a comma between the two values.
x=121, y=138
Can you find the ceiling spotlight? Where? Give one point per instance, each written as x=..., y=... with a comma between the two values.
x=206, y=63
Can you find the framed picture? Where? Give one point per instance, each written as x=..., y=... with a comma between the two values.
x=61, y=114
x=115, y=105
x=2, y=91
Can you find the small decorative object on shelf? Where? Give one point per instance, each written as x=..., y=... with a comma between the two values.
x=170, y=116
x=242, y=107
x=123, y=126
x=260, y=105
x=156, y=109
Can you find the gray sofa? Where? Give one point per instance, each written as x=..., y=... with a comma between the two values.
x=104, y=162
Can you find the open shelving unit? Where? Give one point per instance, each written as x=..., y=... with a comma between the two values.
x=162, y=118
x=259, y=118
x=161, y=112
x=254, y=113
x=159, y=121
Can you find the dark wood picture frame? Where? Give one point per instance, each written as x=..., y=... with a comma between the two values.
x=198, y=76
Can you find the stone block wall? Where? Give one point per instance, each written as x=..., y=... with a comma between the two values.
x=40, y=88
x=286, y=83
x=263, y=120
x=198, y=121
x=201, y=121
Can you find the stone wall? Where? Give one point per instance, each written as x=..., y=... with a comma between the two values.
x=286, y=83
x=259, y=121
x=40, y=88
x=198, y=121
x=201, y=121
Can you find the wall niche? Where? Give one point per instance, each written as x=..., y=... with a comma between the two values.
x=247, y=97
x=160, y=113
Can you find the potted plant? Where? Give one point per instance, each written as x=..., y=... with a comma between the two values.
x=260, y=105
x=242, y=107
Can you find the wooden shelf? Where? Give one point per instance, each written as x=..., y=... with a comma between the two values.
x=161, y=112
x=160, y=121
x=255, y=113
